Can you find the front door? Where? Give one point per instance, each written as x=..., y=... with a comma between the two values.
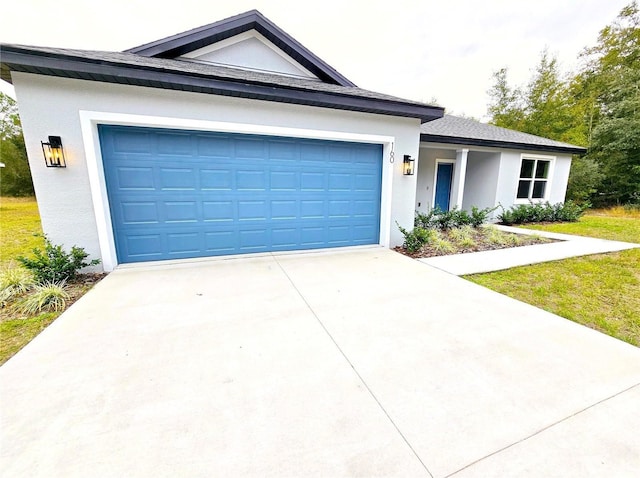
x=444, y=176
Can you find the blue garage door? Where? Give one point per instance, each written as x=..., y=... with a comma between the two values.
x=181, y=194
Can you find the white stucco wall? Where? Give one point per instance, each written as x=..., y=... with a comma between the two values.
x=481, y=181
x=52, y=106
x=510, y=162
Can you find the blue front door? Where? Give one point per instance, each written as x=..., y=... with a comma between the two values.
x=180, y=194
x=444, y=176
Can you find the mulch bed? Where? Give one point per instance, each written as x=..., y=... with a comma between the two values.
x=76, y=289
x=482, y=243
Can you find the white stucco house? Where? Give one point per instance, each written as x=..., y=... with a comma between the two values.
x=234, y=138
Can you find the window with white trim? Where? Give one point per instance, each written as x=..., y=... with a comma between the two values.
x=534, y=178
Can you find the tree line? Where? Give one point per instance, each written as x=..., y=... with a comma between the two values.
x=597, y=107
x=15, y=175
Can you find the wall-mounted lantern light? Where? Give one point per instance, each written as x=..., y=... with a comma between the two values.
x=53, y=153
x=407, y=165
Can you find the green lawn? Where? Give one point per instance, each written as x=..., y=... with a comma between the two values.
x=615, y=228
x=600, y=291
x=19, y=221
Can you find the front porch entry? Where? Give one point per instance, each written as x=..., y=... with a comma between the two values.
x=442, y=188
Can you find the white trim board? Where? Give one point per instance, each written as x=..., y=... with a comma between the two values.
x=89, y=121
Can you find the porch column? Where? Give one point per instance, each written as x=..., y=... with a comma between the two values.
x=459, y=173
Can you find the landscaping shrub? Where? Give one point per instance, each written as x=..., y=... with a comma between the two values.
x=542, y=212
x=438, y=219
x=46, y=297
x=54, y=264
x=415, y=239
x=14, y=282
x=426, y=221
x=497, y=237
x=479, y=216
x=426, y=224
x=440, y=244
x=463, y=237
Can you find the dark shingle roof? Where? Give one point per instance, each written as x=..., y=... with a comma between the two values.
x=131, y=68
x=457, y=130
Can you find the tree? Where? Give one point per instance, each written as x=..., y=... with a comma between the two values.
x=611, y=75
x=15, y=176
x=550, y=111
x=616, y=138
x=505, y=107
x=599, y=107
x=543, y=107
x=9, y=119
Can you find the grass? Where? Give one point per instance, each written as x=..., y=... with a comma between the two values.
x=600, y=291
x=16, y=333
x=596, y=225
x=19, y=220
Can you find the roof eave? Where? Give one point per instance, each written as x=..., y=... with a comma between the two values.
x=435, y=138
x=148, y=77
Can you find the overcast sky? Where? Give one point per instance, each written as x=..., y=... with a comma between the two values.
x=416, y=49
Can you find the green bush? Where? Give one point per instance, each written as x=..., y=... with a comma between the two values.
x=542, y=212
x=415, y=239
x=426, y=221
x=54, y=264
x=479, y=216
x=438, y=219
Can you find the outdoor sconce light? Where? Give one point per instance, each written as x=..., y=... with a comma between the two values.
x=407, y=165
x=53, y=153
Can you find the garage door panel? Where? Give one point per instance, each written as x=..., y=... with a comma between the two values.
x=216, y=180
x=218, y=211
x=284, y=238
x=220, y=242
x=284, y=180
x=283, y=152
x=143, y=246
x=220, y=146
x=184, y=243
x=135, y=178
x=138, y=212
x=194, y=194
x=251, y=180
x=181, y=211
x=183, y=179
x=132, y=141
x=250, y=148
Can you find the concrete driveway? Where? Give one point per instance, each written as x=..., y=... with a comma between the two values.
x=352, y=363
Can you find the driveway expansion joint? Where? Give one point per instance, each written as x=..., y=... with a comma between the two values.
x=404, y=438
x=568, y=417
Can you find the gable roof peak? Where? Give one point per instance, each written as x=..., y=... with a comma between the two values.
x=200, y=37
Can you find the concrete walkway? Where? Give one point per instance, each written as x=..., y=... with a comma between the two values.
x=356, y=363
x=489, y=261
